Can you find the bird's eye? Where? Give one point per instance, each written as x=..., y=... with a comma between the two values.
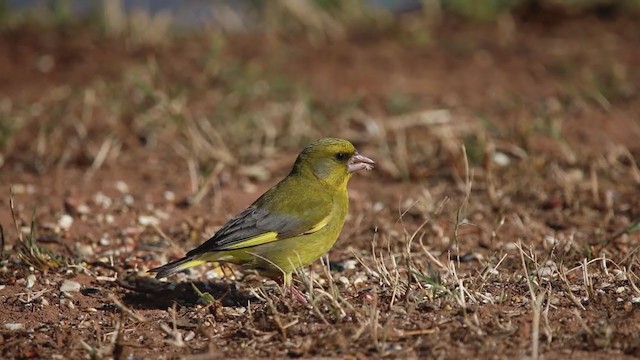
x=341, y=156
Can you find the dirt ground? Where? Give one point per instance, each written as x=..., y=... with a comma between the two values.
x=127, y=155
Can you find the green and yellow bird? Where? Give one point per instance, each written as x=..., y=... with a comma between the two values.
x=293, y=223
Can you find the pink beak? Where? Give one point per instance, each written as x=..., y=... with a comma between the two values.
x=359, y=162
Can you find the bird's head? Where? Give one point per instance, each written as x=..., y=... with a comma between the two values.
x=332, y=161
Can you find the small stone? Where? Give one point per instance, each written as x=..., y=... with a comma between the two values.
x=190, y=335
x=604, y=285
x=350, y=264
x=620, y=290
x=128, y=199
x=103, y=200
x=343, y=280
x=65, y=222
x=550, y=241
x=44, y=301
x=377, y=207
x=146, y=220
x=70, y=286
x=501, y=159
x=14, y=326
x=83, y=209
x=31, y=280
x=104, y=241
x=84, y=249
x=122, y=187
x=169, y=196
x=620, y=275
x=635, y=300
x=70, y=305
x=360, y=280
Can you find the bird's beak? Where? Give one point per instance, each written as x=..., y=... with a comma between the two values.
x=359, y=162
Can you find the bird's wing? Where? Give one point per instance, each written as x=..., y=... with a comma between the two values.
x=276, y=215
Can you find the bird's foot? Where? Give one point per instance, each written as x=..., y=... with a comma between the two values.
x=295, y=294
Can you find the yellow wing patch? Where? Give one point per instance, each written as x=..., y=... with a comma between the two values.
x=273, y=236
x=318, y=226
x=256, y=240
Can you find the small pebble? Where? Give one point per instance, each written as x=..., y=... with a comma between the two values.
x=128, y=199
x=14, y=326
x=377, y=207
x=31, y=280
x=70, y=286
x=83, y=209
x=146, y=220
x=360, y=280
x=190, y=335
x=85, y=250
x=122, y=187
x=103, y=200
x=169, y=196
x=510, y=246
x=620, y=290
x=349, y=264
x=343, y=280
x=501, y=159
x=65, y=222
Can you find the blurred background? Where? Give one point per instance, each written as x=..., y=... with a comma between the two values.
x=218, y=81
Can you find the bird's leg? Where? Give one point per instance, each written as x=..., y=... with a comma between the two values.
x=290, y=289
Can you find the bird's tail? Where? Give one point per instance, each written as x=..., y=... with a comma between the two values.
x=177, y=266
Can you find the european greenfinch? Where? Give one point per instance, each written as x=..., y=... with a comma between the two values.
x=293, y=223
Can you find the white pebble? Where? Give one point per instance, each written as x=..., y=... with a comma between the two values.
x=635, y=300
x=510, y=246
x=104, y=241
x=122, y=187
x=70, y=286
x=377, y=207
x=146, y=220
x=360, y=280
x=190, y=335
x=350, y=264
x=550, y=240
x=169, y=196
x=14, y=326
x=620, y=290
x=620, y=275
x=501, y=159
x=83, y=209
x=31, y=280
x=128, y=199
x=103, y=200
x=343, y=280
x=65, y=222
x=84, y=249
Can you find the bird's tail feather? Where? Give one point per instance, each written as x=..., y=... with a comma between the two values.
x=177, y=266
